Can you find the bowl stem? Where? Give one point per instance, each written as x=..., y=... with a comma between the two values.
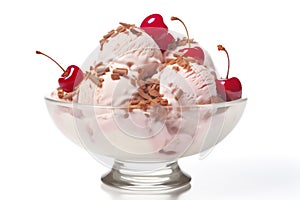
x=165, y=178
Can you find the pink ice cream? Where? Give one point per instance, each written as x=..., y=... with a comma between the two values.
x=188, y=82
x=128, y=70
x=127, y=50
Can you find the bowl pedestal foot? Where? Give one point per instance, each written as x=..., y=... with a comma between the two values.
x=147, y=177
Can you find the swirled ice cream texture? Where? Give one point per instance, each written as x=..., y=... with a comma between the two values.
x=189, y=83
x=127, y=48
x=132, y=47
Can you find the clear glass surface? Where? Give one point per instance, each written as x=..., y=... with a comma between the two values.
x=142, y=148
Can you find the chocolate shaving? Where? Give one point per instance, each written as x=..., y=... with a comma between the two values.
x=101, y=71
x=164, y=102
x=177, y=54
x=119, y=28
x=176, y=68
x=86, y=75
x=143, y=94
x=70, y=95
x=181, y=61
x=162, y=151
x=122, y=29
x=109, y=34
x=172, y=62
x=162, y=66
x=65, y=95
x=113, y=33
x=153, y=92
x=96, y=80
x=135, y=32
x=133, y=82
x=129, y=64
x=151, y=81
x=121, y=71
x=147, y=95
x=127, y=26
x=115, y=76
x=60, y=92
x=134, y=102
x=98, y=64
x=102, y=41
x=178, y=94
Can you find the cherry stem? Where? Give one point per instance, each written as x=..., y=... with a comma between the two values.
x=221, y=48
x=187, y=33
x=38, y=52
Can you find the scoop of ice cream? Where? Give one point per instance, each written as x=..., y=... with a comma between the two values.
x=125, y=56
x=186, y=81
x=107, y=86
x=128, y=45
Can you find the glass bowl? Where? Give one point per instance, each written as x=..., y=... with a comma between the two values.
x=142, y=147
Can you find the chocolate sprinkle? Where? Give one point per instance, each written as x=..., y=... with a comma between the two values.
x=147, y=95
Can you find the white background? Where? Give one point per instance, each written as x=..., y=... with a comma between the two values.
x=258, y=160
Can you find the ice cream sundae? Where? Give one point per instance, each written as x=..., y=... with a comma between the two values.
x=145, y=94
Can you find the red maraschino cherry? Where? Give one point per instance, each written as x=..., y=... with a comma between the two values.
x=194, y=52
x=164, y=42
x=229, y=88
x=71, y=77
x=154, y=26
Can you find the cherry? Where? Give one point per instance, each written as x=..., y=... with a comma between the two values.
x=154, y=26
x=71, y=77
x=229, y=88
x=164, y=42
x=194, y=52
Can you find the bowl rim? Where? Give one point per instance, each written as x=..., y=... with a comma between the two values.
x=71, y=104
